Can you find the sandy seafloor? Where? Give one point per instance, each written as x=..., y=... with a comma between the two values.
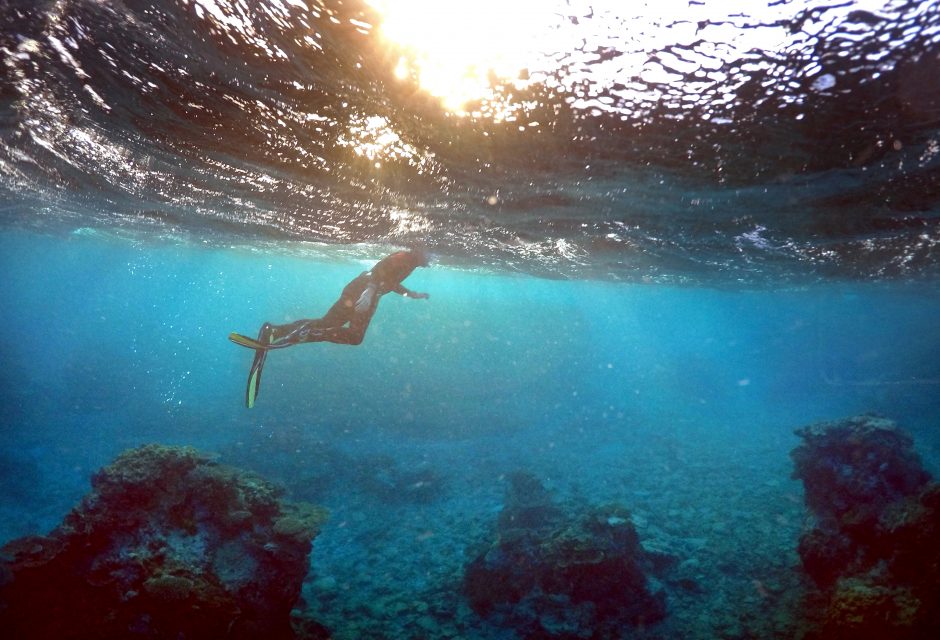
x=678, y=402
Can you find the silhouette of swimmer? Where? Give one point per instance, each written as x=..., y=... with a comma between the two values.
x=346, y=321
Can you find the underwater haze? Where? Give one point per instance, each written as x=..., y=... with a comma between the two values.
x=662, y=239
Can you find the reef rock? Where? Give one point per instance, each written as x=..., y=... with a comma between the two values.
x=167, y=545
x=873, y=551
x=551, y=574
x=853, y=468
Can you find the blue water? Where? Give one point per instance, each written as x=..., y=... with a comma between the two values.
x=646, y=276
x=677, y=401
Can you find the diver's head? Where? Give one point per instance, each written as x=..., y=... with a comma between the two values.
x=421, y=255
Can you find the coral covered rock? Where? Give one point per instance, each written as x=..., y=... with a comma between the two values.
x=826, y=554
x=861, y=608
x=551, y=574
x=853, y=468
x=167, y=545
x=873, y=550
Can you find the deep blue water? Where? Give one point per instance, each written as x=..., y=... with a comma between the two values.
x=679, y=401
x=637, y=298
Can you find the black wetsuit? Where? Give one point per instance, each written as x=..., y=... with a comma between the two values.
x=344, y=323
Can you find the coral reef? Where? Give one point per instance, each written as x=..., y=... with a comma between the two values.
x=167, y=545
x=853, y=468
x=872, y=551
x=556, y=574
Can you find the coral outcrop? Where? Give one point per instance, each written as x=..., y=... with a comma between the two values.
x=873, y=549
x=167, y=545
x=555, y=574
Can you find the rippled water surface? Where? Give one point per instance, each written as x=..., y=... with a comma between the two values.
x=670, y=141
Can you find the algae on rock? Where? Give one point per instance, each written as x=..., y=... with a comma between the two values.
x=167, y=544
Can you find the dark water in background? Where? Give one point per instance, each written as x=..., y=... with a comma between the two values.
x=732, y=251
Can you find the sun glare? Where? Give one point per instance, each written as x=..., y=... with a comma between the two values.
x=455, y=50
x=458, y=50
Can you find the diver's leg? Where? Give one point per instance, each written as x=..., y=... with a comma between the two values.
x=322, y=329
x=298, y=332
x=354, y=333
x=288, y=333
x=332, y=326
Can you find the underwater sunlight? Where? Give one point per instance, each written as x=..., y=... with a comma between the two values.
x=559, y=320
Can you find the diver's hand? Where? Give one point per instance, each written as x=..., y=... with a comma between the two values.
x=418, y=296
x=365, y=300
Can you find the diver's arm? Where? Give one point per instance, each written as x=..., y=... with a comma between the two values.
x=408, y=293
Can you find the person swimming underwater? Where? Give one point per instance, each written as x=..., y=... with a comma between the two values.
x=345, y=322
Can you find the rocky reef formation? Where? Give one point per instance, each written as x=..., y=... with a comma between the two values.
x=167, y=545
x=872, y=551
x=552, y=573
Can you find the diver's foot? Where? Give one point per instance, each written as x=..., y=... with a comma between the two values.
x=266, y=334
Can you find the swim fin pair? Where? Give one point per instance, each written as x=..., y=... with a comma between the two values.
x=261, y=346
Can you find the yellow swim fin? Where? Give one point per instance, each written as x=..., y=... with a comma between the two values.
x=251, y=343
x=245, y=341
x=254, y=379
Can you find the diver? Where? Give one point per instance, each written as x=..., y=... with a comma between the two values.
x=346, y=321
